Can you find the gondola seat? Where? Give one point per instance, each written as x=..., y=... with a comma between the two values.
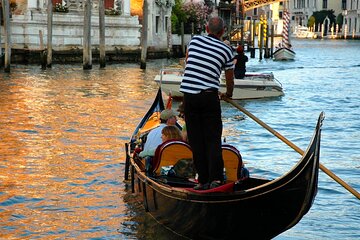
x=232, y=162
x=168, y=153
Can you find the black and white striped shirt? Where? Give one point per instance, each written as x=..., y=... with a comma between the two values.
x=207, y=56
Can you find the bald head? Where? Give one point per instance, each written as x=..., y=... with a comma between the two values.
x=215, y=26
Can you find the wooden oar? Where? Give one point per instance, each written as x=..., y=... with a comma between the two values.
x=293, y=146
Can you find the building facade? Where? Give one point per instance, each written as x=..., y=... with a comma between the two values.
x=352, y=18
x=159, y=24
x=123, y=24
x=29, y=23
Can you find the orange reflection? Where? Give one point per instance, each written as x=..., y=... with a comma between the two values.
x=62, y=136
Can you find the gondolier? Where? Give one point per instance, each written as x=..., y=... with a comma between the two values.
x=205, y=58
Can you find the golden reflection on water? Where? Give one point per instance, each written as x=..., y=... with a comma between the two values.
x=62, y=135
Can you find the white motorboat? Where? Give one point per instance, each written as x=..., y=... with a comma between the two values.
x=253, y=86
x=303, y=32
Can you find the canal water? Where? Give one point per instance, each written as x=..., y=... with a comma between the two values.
x=63, y=130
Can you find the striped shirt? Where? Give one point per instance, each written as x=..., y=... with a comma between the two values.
x=207, y=57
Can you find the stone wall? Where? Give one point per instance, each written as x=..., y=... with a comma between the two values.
x=121, y=31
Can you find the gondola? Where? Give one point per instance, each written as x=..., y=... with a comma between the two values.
x=252, y=208
x=285, y=52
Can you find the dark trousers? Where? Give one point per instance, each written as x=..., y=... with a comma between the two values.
x=204, y=129
x=239, y=73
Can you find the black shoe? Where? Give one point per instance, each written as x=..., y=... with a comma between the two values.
x=215, y=184
x=201, y=186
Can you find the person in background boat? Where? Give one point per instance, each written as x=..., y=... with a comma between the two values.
x=206, y=57
x=167, y=118
x=240, y=63
x=183, y=129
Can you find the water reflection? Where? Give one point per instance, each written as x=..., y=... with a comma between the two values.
x=140, y=225
x=62, y=135
x=61, y=139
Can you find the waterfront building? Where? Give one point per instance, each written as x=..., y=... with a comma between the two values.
x=122, y=19
x=351, y=15
x=30, y=17
x=159, y=25
x=301, y=10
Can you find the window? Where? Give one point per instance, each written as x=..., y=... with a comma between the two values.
x=343, y=4
x=300, y=3
x=355, y=27
x=109, y=4
x=324, y=6
x=157, y=23
x=166, y=25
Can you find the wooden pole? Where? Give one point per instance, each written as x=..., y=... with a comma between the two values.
x=42, y=51
x=267, y=52
x=253, y=30
x=261, y=41
x=182, y=39
x=169, y=36
x=293, y=146
x=102, y=33
x=6, y=13
x=87, y=58
x=1, y=20
x=253, y=33
x=272, y=40
x=49, y=33
x=242, y=18
x=144, y=35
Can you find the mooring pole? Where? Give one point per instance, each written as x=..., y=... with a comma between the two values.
x=42, y=50
x=261, y=41
x=1, y=20
x=49, y=33
x=102, y=34
x=182, y=39
x=87, y=58
x=144, y=34
x=6, y=13
x=272, y=40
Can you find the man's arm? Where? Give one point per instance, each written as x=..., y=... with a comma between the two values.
x=229, y=78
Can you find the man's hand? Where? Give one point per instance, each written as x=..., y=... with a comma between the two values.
x=224, y=96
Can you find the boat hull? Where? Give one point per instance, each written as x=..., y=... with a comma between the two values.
x=284, y=54
x=303, y=32
x=264, y=209
x=254, y=208
x=264, y=216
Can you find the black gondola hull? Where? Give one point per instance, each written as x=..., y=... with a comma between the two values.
x=256, y=209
